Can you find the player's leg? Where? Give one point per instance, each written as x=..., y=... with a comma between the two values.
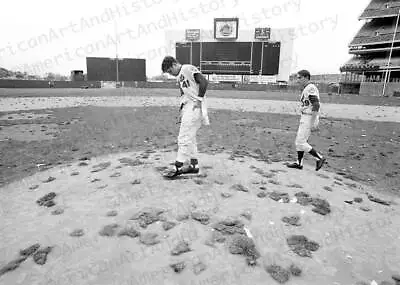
x=183, y=145
x=300, y=156
x=184, y=140
x=302, y=136
x=180, y=158
x=320, y=159
x=305, y=146
x=195, y=124
x=187, y=141
x=194, y=162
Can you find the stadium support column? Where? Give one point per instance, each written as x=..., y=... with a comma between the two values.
x=251, y=59
x=201, y=57
x=390, y=55
x=262, y=60
x=116, y=54
x=117, y=67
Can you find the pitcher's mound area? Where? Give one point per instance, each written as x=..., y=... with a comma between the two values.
x=115, y=220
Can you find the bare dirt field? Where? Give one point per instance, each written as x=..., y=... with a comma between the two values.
x=233, y=94
x=102, y=162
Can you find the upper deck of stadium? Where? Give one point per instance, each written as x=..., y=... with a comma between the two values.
x=380, y=9
x=375, y=39
x=380, y=19
x=379, y=31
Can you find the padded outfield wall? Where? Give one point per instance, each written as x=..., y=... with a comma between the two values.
x=13, y=83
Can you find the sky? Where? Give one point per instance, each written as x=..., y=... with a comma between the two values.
x=47, y=36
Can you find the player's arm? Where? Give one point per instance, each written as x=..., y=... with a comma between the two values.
x=203, y=83
x=313, y=97
x=314, y=102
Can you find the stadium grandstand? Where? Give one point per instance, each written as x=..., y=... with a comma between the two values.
x=376, y=51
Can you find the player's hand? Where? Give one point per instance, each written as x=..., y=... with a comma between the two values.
x=315, y=124
x=178, y=119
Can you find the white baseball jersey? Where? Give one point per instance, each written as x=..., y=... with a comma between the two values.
x=187, y=84
x=309, y=90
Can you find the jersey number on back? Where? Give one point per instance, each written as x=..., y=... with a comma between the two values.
x=185, y=83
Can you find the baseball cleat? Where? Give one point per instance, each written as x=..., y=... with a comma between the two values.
x=320, y=163
x=191, y=170
x=172, y=174
x=294, y=165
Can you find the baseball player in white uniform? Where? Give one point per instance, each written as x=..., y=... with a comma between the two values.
x=193, y=113
x=309, y=120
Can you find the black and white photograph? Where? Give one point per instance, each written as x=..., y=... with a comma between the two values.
x=215, y=142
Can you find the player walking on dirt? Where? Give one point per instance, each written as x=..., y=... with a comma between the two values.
x=193, y=113
x=309, y=120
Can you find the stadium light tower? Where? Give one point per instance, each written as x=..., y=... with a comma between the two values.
x=116, y=53
x=390, y=55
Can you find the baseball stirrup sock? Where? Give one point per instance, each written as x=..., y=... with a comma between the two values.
x=315, y=154
x=300, y=155
x=178, y=164
x=194, y=162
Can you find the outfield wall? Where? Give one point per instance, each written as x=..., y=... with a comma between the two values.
x=323, y=88
x=376, y=88
x=9, y=83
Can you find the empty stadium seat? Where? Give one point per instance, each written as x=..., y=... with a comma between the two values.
x=379, y=8
x=376, y=31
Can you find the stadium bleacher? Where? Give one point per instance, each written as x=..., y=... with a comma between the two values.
x=375, y=63
x=379, y=8
x=376, y=32
x=375, y=44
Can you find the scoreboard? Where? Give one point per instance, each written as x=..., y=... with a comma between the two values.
x=226, y=51
x=241, y=58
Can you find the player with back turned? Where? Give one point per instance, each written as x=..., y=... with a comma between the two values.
x=193, y=113
x=309, y=120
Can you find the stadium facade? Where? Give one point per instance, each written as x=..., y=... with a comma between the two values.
x=227, y=52
x=374, y=68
